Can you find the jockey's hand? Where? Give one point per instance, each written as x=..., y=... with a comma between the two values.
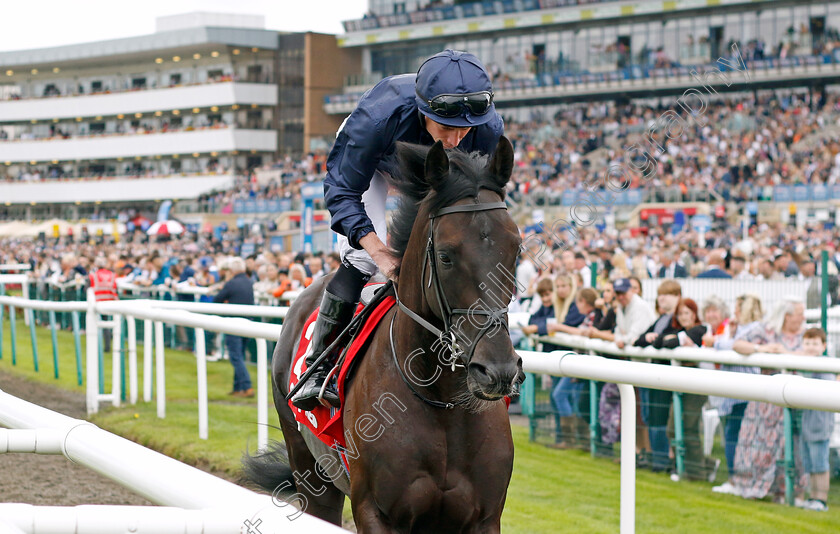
x=388, y=264
x=381, y=255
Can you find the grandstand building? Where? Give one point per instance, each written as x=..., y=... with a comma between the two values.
x=93, y=129
x=552, y=51
x=547, y=55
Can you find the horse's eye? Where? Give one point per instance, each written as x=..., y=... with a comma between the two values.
x=444, y=258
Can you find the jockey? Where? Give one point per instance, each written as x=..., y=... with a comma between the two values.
x=450, y=99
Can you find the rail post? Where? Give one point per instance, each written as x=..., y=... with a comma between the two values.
x=116, y=368
x=160, y=369
x=679, y=433
x=147, y=360
x=92, y=355
x=528, y=400
x=790, y=462
x=100, y=353
x=131, y=327
x=201, y=371
x=33, y=336
x=54, y=336
x=593, y=418
x=1, y=324
x=13, y=333
x=824, y=291
x=262, y=394
x=627, y=512
x=77, y=341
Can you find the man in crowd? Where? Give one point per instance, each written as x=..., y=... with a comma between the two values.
x=715, y=266
x=238, y=290
x=670, y=267
x=633, y=317
x=103, y=281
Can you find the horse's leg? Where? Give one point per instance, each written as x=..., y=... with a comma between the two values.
x=493, y=526
x=323, y=499
x=368, y=518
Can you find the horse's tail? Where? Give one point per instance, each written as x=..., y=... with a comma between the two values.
x=269, y=469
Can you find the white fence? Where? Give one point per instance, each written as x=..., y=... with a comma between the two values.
x=135, y=290
x=783, y=390
x=204, y=503
x=14, y=267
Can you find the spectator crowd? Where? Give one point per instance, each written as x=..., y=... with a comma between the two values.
x=561, y=297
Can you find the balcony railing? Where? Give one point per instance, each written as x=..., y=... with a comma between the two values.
x=568, y=79
x=132, y=102
x=56, y=93
x=461, y=11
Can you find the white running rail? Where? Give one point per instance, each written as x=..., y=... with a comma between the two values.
x=204, y=503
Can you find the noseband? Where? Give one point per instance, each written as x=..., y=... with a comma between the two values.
x=448, y=336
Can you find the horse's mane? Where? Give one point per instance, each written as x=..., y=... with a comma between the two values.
x=467, y=175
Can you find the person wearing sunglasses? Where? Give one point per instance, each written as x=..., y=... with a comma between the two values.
x=449, y=99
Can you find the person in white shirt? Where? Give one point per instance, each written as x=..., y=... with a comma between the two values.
x=633, y=317
x=526, y=277
x=582, y=267
x=737, y=265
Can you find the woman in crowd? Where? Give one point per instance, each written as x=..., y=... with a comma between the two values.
x=565, y=290
x=656, y=404
x=686, y=329
x=748, y=314
x=689, y=332
x=297, y=274
x=538, y=322
x=565, y=393
x=716, y=317
x=585, y=304
x=620, y=265
x=606, y=303
x=759, y=470
x=636, y=284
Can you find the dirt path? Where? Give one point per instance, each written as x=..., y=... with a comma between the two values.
x=53, y=479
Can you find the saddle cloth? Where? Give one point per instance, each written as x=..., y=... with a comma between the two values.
x=326, y=422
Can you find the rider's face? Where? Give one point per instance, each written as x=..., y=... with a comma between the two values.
x=448, y=135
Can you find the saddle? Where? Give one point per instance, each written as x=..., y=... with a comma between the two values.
x=326, y=422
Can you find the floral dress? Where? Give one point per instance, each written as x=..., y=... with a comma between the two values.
x=759, y=457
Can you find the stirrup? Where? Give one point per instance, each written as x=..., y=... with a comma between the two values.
x=324, y=386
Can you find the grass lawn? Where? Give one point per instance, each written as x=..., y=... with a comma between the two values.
x=551, y=491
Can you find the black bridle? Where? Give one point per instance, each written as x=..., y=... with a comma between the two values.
x=448, y=338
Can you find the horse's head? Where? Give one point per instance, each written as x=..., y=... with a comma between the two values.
x=459, y=253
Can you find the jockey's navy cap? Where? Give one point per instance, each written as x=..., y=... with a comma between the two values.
x=449, y=73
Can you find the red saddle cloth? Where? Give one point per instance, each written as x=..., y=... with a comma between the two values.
x=326, y=423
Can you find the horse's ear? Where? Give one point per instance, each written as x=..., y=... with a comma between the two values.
x=501, y=164
x=410, y=159
x=437, y=165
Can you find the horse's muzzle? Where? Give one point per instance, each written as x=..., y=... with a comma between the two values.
x=494, y=381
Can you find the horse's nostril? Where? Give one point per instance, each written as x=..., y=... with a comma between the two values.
x=480, y=373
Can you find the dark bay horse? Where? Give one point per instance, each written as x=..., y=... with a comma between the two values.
x=424, y=412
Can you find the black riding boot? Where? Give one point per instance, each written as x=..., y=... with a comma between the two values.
x=333, y=317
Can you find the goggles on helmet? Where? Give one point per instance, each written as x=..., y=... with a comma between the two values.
x=452, y=105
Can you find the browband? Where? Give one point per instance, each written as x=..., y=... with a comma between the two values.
x=470, y=207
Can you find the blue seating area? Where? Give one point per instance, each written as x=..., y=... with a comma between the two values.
x=479, y=8
x=632, y=72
